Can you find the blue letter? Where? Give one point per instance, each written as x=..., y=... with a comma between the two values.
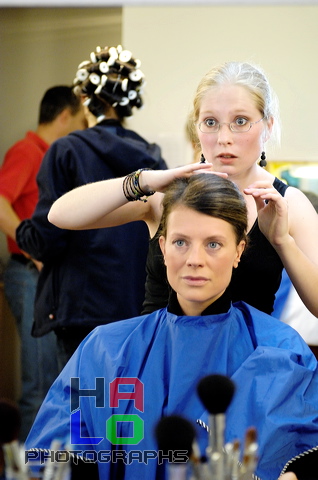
x=76, y=438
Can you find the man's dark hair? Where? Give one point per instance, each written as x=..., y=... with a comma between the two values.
x=55, y=100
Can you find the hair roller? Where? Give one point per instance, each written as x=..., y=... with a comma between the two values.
x=84, y=64
x=87, y=102
x=125, y=56
x=103, y=56
x=93, y=57
x=94, y=68
x=135, y=76
x=113, y=52
x=82, y=74
x=124, y=101
x=124, y=68
x=98, y=89
x=103, y=67
x=88, y=89
x=124, y=85
x=111, y=61
x=94, y=78
x=77, y=90
x=132, y=94
x=109, y=97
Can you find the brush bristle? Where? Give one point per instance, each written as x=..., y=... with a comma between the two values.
x=216, y=393
x=175, y=433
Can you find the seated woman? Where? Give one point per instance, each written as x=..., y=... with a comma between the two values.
x=125, y=376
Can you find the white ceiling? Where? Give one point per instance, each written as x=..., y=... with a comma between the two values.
x=120, y=3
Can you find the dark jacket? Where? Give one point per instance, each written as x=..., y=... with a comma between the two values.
x=89, y=277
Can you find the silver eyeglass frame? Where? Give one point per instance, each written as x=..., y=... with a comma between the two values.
x=230, y=126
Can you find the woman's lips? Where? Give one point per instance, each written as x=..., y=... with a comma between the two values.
x=197, y=281
x=226, y=159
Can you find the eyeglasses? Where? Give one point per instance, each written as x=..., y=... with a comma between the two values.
x=240, y=125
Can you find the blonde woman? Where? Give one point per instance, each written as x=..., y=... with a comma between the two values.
x=234, y=114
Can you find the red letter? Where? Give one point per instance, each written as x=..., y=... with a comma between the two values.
x=137, y=395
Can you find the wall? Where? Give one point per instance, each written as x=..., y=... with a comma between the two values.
x=178, y=45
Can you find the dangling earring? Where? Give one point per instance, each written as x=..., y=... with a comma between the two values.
x=263, y=162
x=202, y=159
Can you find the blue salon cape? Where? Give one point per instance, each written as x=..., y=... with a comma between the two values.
x=274, y=371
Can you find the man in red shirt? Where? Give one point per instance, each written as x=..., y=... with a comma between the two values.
x=61, y=112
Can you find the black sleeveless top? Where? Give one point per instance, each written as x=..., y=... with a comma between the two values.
x=255, y=280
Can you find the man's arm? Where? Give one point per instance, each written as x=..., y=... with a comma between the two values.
x=9, y=220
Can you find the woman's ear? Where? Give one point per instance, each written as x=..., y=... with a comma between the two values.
x=162, y=243
x=239, y=250
x=268, y=129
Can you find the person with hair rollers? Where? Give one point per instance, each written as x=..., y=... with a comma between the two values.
x=84, y=273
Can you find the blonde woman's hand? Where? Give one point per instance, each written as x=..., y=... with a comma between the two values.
x=272, y=211
x=158, y=180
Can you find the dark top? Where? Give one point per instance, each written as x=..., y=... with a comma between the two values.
x=90, y=277
x=255, y=280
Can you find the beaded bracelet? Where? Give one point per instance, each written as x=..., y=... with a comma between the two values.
x=132, y=189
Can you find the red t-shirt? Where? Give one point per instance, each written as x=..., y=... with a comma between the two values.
x=18, y=177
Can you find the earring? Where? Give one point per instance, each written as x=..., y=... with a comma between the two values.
x=202, y=159
x=263, y=162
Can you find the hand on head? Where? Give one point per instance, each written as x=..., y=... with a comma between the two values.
x=159, y=180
